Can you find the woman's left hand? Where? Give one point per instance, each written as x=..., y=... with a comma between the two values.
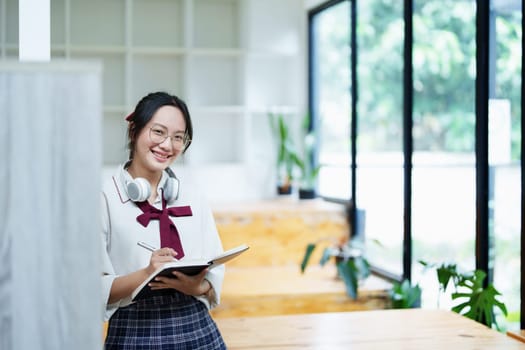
x=190, y=285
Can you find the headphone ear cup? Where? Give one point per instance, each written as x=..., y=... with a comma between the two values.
x=138, y=190
x=171, y=189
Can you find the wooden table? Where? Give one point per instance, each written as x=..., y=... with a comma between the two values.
x=413, y=329
x=269, y=291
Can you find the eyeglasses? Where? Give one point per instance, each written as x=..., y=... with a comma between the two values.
x=158, y=134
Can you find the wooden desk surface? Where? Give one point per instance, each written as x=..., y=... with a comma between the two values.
x=413, y=329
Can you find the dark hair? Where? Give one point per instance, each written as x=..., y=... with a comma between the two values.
x=145, y=110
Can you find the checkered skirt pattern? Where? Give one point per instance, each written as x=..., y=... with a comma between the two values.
x=174, y=322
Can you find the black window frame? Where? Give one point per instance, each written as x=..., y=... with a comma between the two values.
x=482, y=85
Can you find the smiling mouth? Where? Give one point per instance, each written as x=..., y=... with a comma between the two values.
x=160, y=156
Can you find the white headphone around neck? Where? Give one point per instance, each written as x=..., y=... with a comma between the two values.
x=139, y=189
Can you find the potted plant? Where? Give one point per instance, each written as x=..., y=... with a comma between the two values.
x=306, y=164
x=352, y=265
x=477, y=302
x=404, y=295
x=286, y=155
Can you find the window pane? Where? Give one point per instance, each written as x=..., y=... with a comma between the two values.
x=331, y=95
x=443, y=188
x=379, y=177
x=504, y=160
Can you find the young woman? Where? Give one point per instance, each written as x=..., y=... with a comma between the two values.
x=145, y=202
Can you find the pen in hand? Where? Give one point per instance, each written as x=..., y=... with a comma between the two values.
x=146, y=246
x=151, y=248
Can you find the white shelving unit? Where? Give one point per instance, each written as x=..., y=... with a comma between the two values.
x=232, y=61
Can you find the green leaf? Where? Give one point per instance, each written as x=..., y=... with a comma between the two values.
x=424, y=263
x=327, y=254
x=362, y=267
x=475, y=301
x=404, y=295
x=480, y=302
x=348, y=272
x=445, y=273
x=307, y=254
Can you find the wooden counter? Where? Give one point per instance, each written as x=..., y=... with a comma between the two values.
x=278, y=231
x=266, y=280
x=413, y=329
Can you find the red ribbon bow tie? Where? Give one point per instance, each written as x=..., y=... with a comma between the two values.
x=169, y=236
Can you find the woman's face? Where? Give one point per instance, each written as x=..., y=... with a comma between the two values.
x=151, y=155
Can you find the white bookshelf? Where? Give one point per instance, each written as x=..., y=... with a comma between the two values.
x=232, y=61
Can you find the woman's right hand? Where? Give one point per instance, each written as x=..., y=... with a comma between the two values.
x=123, y=286
x=160, y=257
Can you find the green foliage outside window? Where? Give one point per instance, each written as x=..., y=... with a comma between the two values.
x=444, y=66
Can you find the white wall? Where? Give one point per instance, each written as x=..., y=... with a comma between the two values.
x=233, y=61
x=50, y=147
x=309, y=4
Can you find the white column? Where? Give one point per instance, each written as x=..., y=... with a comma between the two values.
x=50, y=150
x=34, y=30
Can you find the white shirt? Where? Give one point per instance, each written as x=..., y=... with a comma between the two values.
x=121, y=232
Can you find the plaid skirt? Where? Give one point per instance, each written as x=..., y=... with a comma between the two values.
x=175, y=321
